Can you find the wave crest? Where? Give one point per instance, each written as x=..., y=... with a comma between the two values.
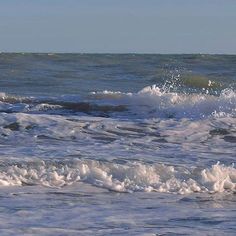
x=153, y=101
x=150, y=102
x=123, y=178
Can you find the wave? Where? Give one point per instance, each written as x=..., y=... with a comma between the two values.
x=150, y=102
x=153, y=101
x=129, y=177
x=11, y=104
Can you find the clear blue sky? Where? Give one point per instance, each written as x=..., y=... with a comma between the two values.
x=118, y=26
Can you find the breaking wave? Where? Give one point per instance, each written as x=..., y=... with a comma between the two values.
x=153, y=101
x=150, y=102
x=129, y=177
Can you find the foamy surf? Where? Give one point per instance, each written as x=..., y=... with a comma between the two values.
x=153, y=101
x=150, y=102
x=129, y=177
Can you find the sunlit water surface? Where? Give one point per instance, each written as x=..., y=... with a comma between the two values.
x=117, y=144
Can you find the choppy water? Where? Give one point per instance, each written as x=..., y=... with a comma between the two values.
x=117, y=144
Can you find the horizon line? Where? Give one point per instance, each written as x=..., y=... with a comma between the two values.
x=114, y=53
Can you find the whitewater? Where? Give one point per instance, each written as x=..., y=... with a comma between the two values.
x=117, y=144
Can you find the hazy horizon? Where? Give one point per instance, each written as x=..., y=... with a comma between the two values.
x=132, y=26
x=117, y=53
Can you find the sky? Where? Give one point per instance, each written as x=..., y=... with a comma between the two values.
x=118, y=26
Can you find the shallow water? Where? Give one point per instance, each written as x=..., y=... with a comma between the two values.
x=117, y=144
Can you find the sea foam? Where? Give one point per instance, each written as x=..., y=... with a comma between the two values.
x=129, y=177
x=149, y=102
x=153, y=101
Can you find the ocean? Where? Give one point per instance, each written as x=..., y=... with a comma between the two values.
x=117, y=144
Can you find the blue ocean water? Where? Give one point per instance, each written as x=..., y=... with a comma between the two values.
x=106, y=144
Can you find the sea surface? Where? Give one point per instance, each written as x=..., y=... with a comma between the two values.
x=105, y=144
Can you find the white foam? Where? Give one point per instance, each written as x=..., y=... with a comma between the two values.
x=123, y=178
x=150, y=102
x=153, y=101
x=44, y=107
